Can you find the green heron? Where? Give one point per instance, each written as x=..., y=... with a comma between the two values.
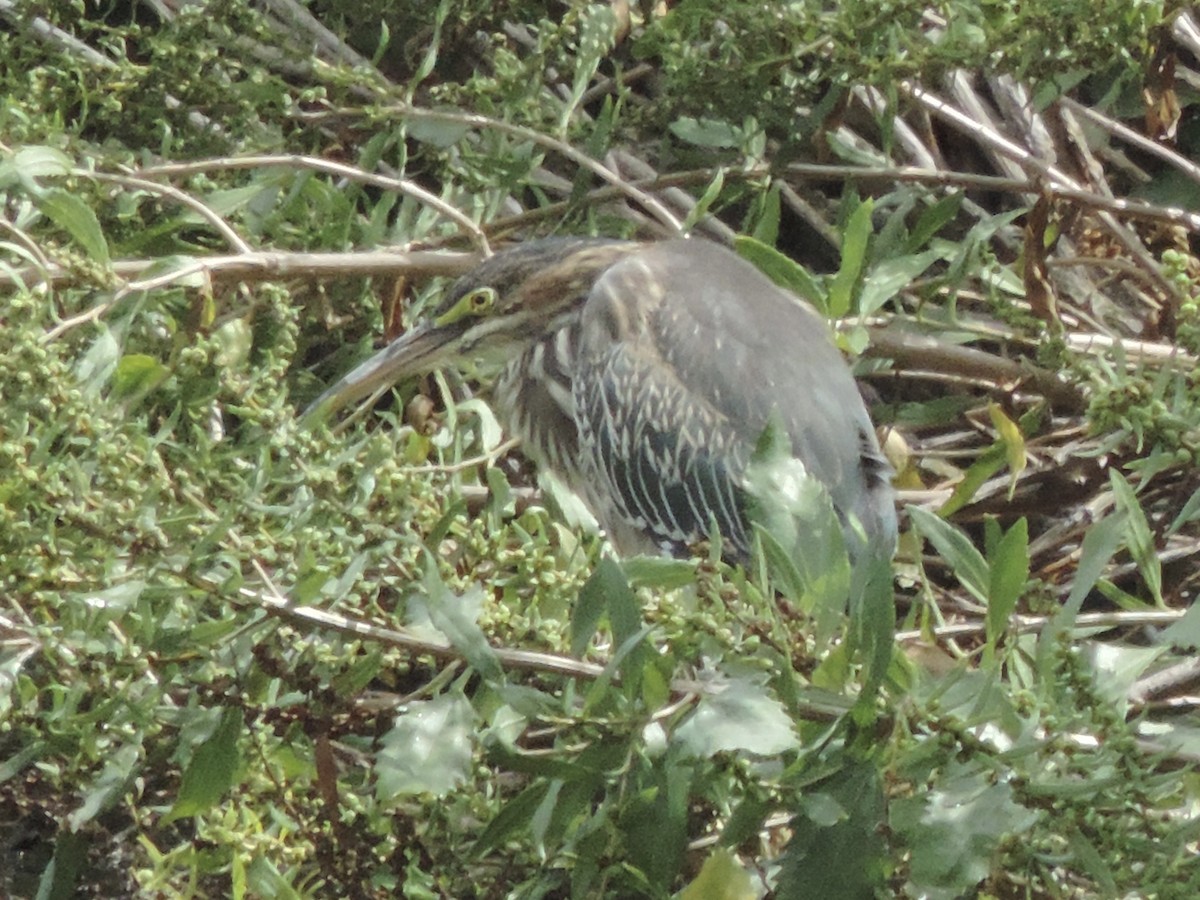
x=644, y=374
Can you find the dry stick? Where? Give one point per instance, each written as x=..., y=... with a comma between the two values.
x=266, y=265
x=1027, y=624
x=636, y=190
x=1055, y=178
x=483, y=459
x=874, y=101
x=1156, y=685
x=974, y=111
x=867, y=174
x=809, y=214
x=56, y=37
x=1000, y=184
x=277, y=604
x=526, y=660
x=33, y=251
x=1078, y=145
x=644, y=173
x=59, y=39
x=1184, y=30
x=292, y=13
x=271, y=266
x=917, y=350
x=1013, y=102
x=1143, y=143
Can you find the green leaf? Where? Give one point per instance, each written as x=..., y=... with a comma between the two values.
x=512, y=820
x=455, y=616
x=429, y=60
x=539, y=822
x=117, y=599
x=99, y=363
x=597, y=31
x=76, y=218
x=739, y=716
x=428, y=750
x=720, y=878
x=630, y=661
x=987, y=465
x=1117, y=668
x=871, y=635
x=213, y=769
x=933, y=219
x=58, y=881
x=108, y=787
x=1188, y=513
x=707, y=199
x=263, y=879
x=540, y=765
x=781, y=269
x=233, y=340
x=1185, y=634
x=713, y=133
x=439, y=133
x=1009, y=573
x=854, y=255
x=1138, y=536
x=954, y=830
x=33, y=750
x=661, y=572
x=885, y=280
x=229, y=201
x=766, y=228
x=137, y=374
x=840, y=859
x=961, y=555
x=747, y=819
x=491, y=435
x=654, y=822
x=29, y=164
x=588, y=611
x=624, y=613
x=1014, y=444
x=802, y=536
x=822, y=809
x=1099, y=544
x=1093, y=863
x=349, y=682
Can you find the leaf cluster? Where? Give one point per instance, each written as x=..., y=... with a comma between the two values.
x=240, y=658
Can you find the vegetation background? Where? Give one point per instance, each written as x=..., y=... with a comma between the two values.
x=241, y=658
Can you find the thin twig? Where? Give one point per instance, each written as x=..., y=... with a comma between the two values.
x=182, y=197
x=473, y=120
x=1027, y=624
x=276, y=603
x=1143, y=143
x=400, y=185
x=464, y=464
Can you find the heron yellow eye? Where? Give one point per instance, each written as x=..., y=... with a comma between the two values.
x=474, y=304
x=481, y=301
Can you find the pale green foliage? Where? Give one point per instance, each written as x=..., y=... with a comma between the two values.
x=166, y=728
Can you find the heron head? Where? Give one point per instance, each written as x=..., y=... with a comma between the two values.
x=504, y=305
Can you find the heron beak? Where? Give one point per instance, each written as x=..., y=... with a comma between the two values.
x=419, y=351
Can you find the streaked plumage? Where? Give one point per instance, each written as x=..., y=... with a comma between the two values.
x=644, y=374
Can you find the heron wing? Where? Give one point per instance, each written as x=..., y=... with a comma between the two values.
x=696, y=350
